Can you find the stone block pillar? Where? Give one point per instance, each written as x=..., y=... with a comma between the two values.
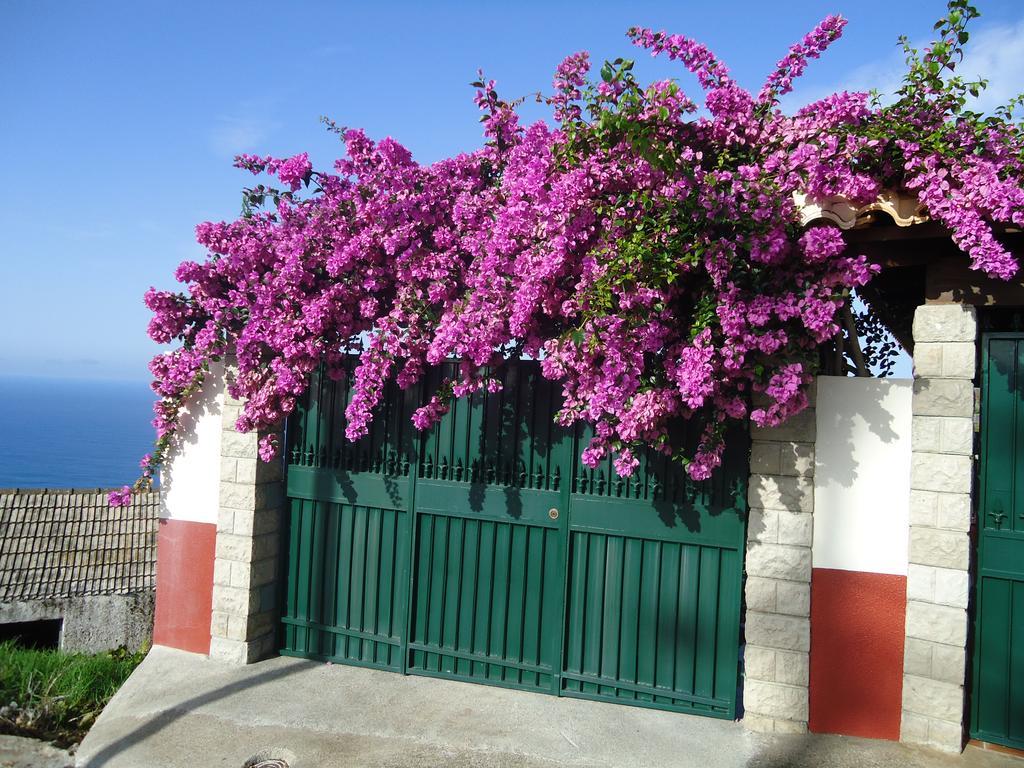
x=778, y=566
x=938, y=579
x=244, y=620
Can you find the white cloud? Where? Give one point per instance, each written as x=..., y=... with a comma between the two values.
x=232, y=134
x=995, y=52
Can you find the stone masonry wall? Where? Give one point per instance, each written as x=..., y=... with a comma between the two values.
x=244, y=619
x=938, y=580
x=778, y=566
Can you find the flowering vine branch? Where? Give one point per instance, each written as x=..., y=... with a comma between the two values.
x=650, y=255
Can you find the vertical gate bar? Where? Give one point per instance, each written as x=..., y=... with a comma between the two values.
x=594, y=611
x=359, y=544
x=573, y=661
x=407, y=554
x=648, y=613
x=1017, y=445
x=533, y=603
x=330, y=595
x=629, y=617
x=992, y=644
x=664, y=665
x=385, y=590
x=474, y=594
x=312, y=432
x=490, y=613
x=316, y=582
x=612, y=608
x=295, y=542
x=372, y=582
x=439, y=581
x=721, y=656
x=396, y=605
x=689, y=592
x=506, y=427
x=519, y=568
x=446, y=442
x=491, y=457
x=562, y=450
x=453, y=588
x=1015, y=663
x=482, y=621
x=467, y=594
x=499, y=614
x=460, y=436
x=707, y=621
x=424, y=583
x=303, y=586
x=348, y=532
x=658, y=597
x=552, y=618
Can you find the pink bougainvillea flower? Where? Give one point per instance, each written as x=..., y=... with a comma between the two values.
x=651, y=254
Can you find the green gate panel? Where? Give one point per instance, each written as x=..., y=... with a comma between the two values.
x=348, y=531
x=505, y=439
x=489, y=558
x=997, y=701
x=488, y=601
x=347, y=581
x=655, y=575
x=649, y=623
x=482, y=550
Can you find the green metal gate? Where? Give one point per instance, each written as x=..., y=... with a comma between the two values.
x=483, y=550
x=997, y=702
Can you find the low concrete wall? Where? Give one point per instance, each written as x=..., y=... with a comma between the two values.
x=91, y=623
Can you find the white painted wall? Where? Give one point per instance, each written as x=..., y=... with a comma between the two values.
x=190, y=478
x=862, y=474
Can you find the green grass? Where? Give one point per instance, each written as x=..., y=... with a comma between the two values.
x=56, y=696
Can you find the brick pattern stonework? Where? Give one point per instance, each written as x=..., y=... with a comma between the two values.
x=778, y=566
x=938, y=579
x=244, y=619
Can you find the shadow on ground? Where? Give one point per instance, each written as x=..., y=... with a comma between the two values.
x=180, y=709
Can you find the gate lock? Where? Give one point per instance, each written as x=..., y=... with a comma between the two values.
x=553, y=513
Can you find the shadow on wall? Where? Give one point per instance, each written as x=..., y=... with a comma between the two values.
x=201, y=406
x=843, y=402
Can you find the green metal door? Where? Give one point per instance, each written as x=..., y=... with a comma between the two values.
x=484, y=551
x=489, y=553
x=997, y=704
x=346, y=594
x=656, y=567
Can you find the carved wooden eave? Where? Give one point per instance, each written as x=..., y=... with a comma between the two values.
x=903, y=209
x=893, y=294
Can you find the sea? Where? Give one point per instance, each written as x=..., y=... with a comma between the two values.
x=67, y=433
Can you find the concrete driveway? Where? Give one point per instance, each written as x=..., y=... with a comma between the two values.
x=180, y=709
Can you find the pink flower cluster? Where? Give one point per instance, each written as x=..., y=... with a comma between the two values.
x=653, y=260
x=293, y=171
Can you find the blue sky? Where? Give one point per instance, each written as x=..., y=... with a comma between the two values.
x=119, y=120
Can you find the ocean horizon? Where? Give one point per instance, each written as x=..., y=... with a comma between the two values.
x=73, y=433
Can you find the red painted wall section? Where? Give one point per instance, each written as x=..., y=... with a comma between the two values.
x=857, y=631
x=184, y=585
